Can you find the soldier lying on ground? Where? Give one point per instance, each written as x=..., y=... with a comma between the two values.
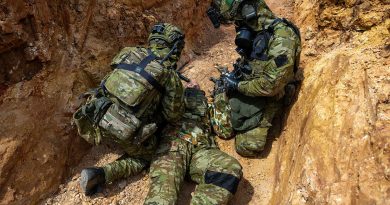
x=133, y=101
x=189, y=148
x=265, y=73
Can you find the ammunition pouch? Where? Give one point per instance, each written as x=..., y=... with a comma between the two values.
x=100, y=117
x=87, y=118
x=195, y=103
x=119, y=122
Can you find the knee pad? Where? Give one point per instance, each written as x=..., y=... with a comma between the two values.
x=223, y=180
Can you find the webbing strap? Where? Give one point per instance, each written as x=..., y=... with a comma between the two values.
x=140, y=69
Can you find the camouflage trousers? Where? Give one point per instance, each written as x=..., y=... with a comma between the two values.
x=248, y=143
x=136, y=159
x=216, y=173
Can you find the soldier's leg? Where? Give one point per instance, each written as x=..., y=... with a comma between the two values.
x=91, y=179
x=252, y=142
x=218, y=175
x=124, y=168
x=136, y=159
x=167, y=171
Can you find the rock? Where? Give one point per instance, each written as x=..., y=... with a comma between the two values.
x=122, y=184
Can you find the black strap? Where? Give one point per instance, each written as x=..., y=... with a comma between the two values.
x=140, y=69
x=223, y=180
x=260, y=44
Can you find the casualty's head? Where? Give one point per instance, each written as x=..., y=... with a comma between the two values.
x=248, y=11
x=165, y=35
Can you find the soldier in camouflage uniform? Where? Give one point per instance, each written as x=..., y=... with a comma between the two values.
x=263, y=75
x=143, y=92
x=189, y=148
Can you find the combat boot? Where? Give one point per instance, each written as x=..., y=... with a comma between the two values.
x=91, y=180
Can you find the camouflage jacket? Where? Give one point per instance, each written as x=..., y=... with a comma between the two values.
x=275, y=69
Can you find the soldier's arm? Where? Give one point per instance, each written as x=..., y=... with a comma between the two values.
x=278, y=70
x=172, y=102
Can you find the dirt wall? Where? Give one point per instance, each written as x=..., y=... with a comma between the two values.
x=334, y=148
x=50, y=52
x=335, y=144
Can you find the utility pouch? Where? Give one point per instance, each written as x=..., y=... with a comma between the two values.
x=195, y=102
x=120, y=122
x=144, y=133
x=87, y=117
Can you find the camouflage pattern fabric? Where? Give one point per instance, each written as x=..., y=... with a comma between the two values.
x=220, y=116
x=172, y=100
x=228, y=8
x=123, y=168
x=172, y=106
x=250, y=143
x=175, y=158
x=137, y=158
x=195, y=154
x=268, y=78
x=271, y=76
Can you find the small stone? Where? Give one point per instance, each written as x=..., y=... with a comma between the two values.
x=122, y=184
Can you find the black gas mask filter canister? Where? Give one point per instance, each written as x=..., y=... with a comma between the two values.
x=245, y=35
x=243, y=40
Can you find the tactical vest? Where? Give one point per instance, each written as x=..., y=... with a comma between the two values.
x=126, y=92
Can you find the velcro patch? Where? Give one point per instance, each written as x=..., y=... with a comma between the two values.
x=281, y=60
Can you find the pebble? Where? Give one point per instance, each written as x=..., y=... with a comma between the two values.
x=122, y=184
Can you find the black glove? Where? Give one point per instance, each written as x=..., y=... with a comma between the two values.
x=231, y=83
x=219, y=86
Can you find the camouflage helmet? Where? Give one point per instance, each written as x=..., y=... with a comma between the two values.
x=228, y=9
x=168, y=34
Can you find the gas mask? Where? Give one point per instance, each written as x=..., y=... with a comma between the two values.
x=245, y=35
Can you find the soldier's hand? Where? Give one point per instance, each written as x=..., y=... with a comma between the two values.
x=219, y=86
x=231, y=84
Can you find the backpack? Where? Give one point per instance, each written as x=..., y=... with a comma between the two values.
x=117, y=112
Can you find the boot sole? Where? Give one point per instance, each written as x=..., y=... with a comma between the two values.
x=87, y=184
